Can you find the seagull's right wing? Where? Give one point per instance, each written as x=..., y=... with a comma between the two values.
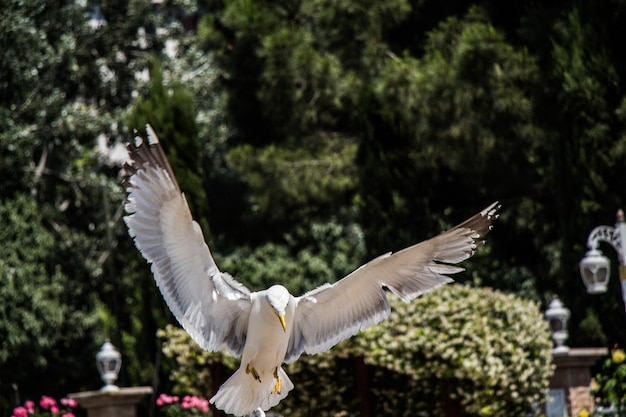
x=210, y=305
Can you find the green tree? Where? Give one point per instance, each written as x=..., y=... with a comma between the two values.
x=449, y=108
x=583, y=133
x=63, y=83
x=458, y=115
x=44, y=311
x=419, y=133
x=171, y=113
x=317, y=134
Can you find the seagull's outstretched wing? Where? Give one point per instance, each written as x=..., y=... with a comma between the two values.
x=211, y=306
x=331, y=313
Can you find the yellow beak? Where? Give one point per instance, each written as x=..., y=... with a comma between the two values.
x=281, y=317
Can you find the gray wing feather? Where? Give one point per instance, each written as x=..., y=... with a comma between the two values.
x=331, y=313
x=210, y=305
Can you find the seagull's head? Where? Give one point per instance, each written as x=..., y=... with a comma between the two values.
x=278, y=297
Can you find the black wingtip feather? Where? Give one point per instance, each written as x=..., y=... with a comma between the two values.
x=144, y=154
x=482, y=222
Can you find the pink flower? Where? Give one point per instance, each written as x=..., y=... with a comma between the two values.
x=30, y=407
x=47, y=402
x=69, y=414
x=20, y=412
x=54, y=409
x=186, y=404
x=191, y=401
x=69, y=402
x=165, y=399
x=204, y=406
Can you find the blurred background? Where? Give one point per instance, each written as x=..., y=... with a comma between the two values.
x=308, y=137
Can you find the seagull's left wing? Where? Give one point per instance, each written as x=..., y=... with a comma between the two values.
x=210, y=305
x=331, y=313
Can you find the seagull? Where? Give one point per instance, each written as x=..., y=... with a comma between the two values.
x=270, y=327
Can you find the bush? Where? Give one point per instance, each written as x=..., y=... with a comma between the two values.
x=609, y=386
x=482, y=351
x=490, y=351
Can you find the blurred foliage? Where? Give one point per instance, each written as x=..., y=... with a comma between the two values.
x=461, y=119
x=450, y=104
x=170, y=112
x=311, y=255
x=609, y=386
x=192, y=373
x=291, y=183
x=309, y=137
x=64, y=82
x=41, y=306
x=486, y=351
x=493, y=351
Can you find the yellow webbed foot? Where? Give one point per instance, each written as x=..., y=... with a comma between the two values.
x=251, y=370
x=278, y=385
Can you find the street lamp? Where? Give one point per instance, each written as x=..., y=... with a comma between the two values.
x=109, y=361
x=594, y=267
x=557, y=316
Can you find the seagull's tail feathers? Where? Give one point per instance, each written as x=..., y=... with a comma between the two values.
x=241, y=394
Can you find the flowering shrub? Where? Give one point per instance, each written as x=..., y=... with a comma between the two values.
x=192, y=373
x=487, y=352
x=484, y=352
x=609, y=387
x=190, y=405
x=48, y=406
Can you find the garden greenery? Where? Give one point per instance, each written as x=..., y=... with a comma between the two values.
x=483, y=351
x=609, y=386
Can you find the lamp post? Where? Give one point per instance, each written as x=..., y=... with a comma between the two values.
x=557, y=316
x=594, y=267
x=109, y=361
x=110, y=400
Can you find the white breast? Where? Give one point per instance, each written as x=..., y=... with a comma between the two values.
x=266, y=342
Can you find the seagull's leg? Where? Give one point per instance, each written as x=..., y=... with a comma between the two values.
x=278, y=385
x=251, y=370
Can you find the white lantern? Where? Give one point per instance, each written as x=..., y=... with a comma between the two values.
x=108, y=361
x=557, y=316
x=595, y=271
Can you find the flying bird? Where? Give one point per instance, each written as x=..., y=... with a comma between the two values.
x=270, y=327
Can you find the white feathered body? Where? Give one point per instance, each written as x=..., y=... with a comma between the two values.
x=219, y=312
x=265, y=349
